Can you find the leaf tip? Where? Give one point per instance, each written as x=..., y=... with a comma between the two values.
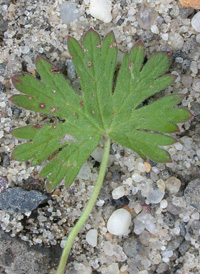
x=15, y=79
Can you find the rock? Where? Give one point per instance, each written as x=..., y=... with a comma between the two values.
x=196, y=85
x=3, y=184
x=19, y=200
x=176, y=40
x=101, y=9
x=162, y=268
x=132, y=247
x=195, y=4
x=184, y=247
x=119, y=222
x=142, y=221
x=173, y=184
x=146, y=17
x=71, y=72
x=192, y=193
x=91, y=237
x=196, y=21
x=68, y=12
x=118, y=192
x=85, y=172
x=120, y=202
x=155, y=196
x=169, y=219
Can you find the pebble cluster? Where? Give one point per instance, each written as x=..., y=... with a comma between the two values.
x=159, y=203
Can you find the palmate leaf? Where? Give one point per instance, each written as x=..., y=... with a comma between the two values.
x=99, y=111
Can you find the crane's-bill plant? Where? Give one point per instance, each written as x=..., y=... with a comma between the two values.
x=98, y=112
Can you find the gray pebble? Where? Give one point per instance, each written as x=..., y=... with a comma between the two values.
x=192, y=193
x=182, y=230
x=169, y=219
x=19, y=200
x=184, y=247
x=2, y=88
x=71, y=72
x=6, y=161
x=3, y=184
x=162, y=268
x=175, y=243
x=131, y=247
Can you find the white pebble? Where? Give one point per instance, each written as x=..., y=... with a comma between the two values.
x=118, y=192
x=173, y=184
x=196, y=85
x=101, y=9
x=91, y=237
x=68, y=12
x=141, y=167
x=195, y=216
x=186, y=218
x=154, y=29
x=119, y=222
x=155, y=196
x=196, y=21
x=163, y=203
x=137, y=177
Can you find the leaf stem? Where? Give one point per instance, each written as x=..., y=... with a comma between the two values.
x=88, y=209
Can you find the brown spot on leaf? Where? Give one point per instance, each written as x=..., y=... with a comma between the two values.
x=130, y=66
x=89, y=64
x=113, y=45
x=30, y=97
x=93, y=112
x=54, y=70
x=42, y=105
x=52, y=109
x=93, y=95
x=76, y=116
x=38, y=126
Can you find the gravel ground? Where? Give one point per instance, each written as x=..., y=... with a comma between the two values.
x=170, y=242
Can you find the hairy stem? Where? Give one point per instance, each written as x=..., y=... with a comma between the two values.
x=88, y=209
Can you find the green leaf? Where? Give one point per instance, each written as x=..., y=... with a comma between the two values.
x=99, y=110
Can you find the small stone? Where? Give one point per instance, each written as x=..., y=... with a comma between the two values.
x=19, y=200
x=192, y=193
x=119, y=222
x=101, y=9
x=142, y=221
x=118, y=192
x=137, y=177
x=163, y=204
x=196, y=21
x=196, y=85
x=162, y=268
x=147, y=167
x=68, y=12
x=91, y=237
x=146, y=17
x=183, y=248
x=154, y=29
x=176, y=40
x=144, y=238
x=141, y=167
x=169, y=219
x=195, y=216
x=155, y=196
x=173, y=184
x=132, y=247
x=3, y=184
x=71, y=72
x=161, y=184
x=108, y=249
